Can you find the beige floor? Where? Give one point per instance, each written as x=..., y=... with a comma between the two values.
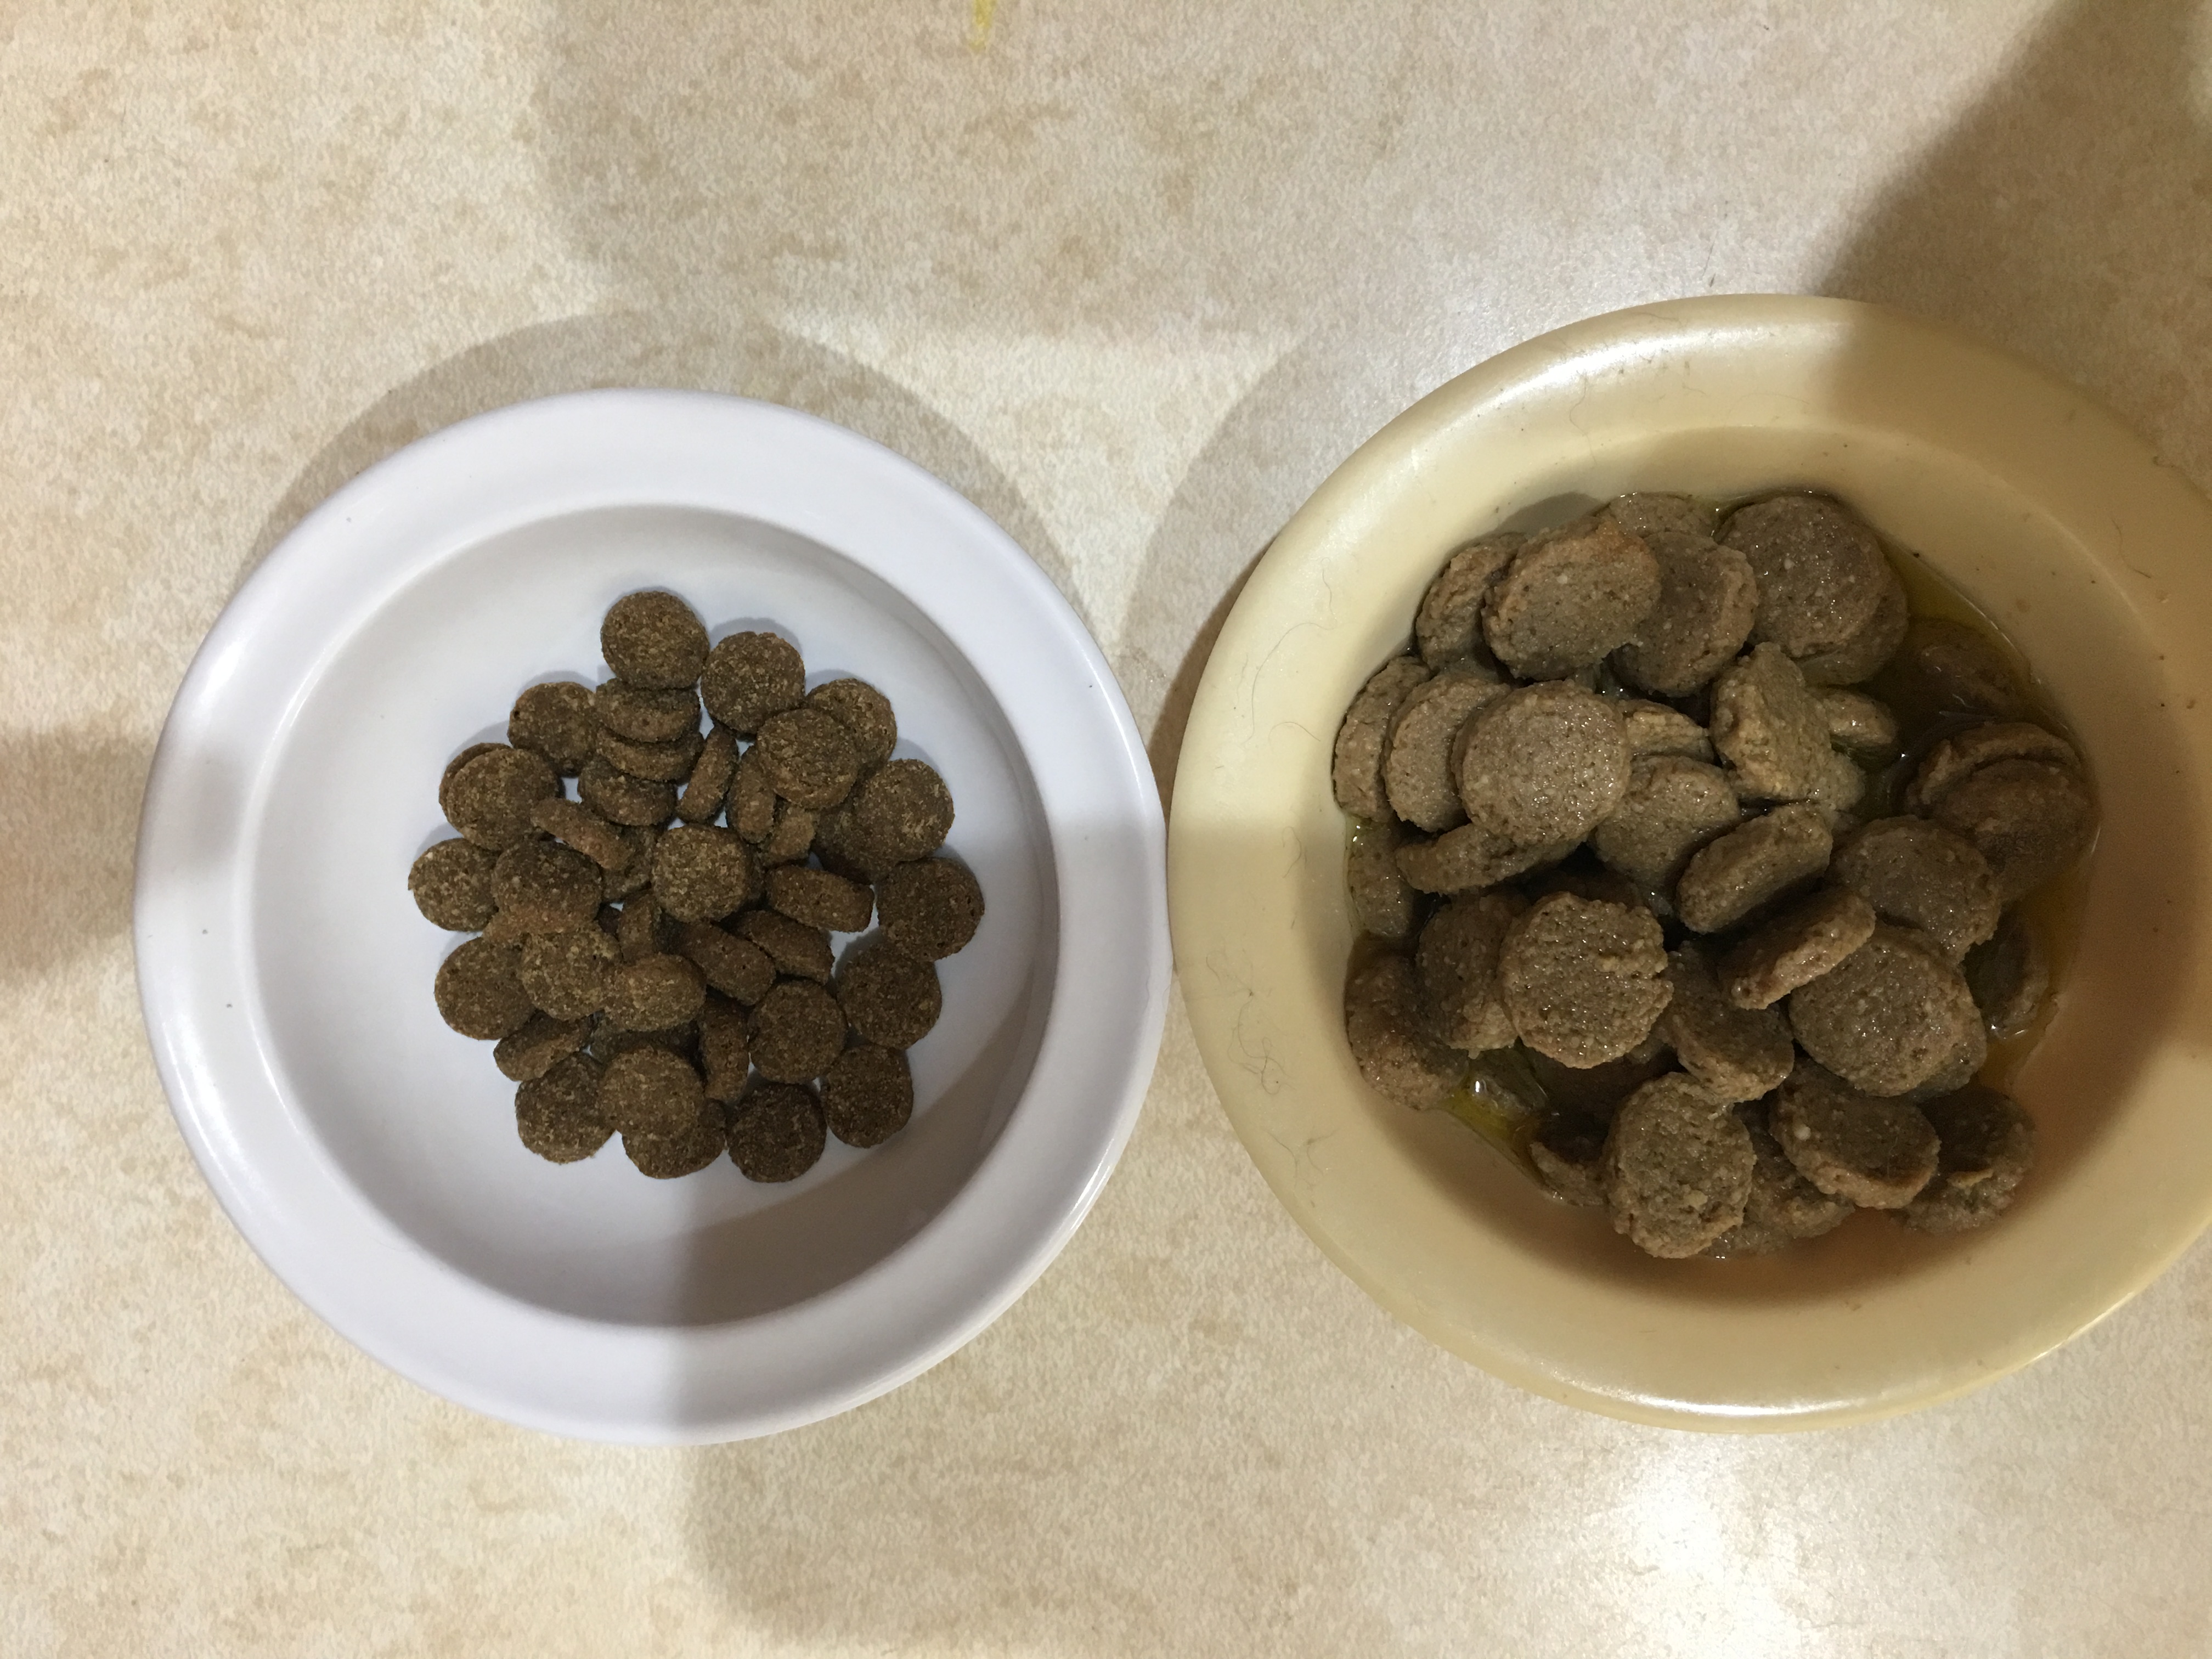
x=1135, y=276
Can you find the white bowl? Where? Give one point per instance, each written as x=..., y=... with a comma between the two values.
x=369, y=1153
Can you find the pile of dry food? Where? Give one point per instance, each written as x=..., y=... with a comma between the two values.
x=676, y=983
x=1633, y=839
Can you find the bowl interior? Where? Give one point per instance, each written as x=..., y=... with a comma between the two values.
x=418, y=1117
x=2039, y=507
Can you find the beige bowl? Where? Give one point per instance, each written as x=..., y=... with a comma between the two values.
x=2031, y=498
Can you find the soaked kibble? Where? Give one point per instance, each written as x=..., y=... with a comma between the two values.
x=776, y=1133
x=702, y=873
x=867, y=1095
x=489, y=799
x=452, y=884
x=931, y=907
x=749, y=678
x=797, y=950
x=653, y=641
x=796, y=1030
x=889, y=997
x=479, y=990
x=557, y=1113
x=646, y=715
x=820, y=899
x=864, y=712
x=555, y=719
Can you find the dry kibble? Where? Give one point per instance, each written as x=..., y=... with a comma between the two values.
x=669, y=1156
x=867, y=1095
x=796, y=1030
x=479, y=990
x=725, y=1050
x=557, y=1113
x=543, y=887
x=650, y=1091
x=565, y=975
x=555, y=719
x=792, y=838
x=702, y=873
x=749, y=677
x=643, y=928
x=889, y=998
x=452, y=884
x=797, y=950
x=776, y=1133
x=708, y=788
x=541, y=1043
x=810, y=758
x=636, y=869
x=654, y=993
x=654, y=640
x=645, y=715
x=753, y=798
x=578, y=826
x=822, y=900
x=903, y=811
x=930, y=909
x=453, y=769
x=617, y=796
x=864, y=712
x=667, y=762
x=489, y=798
x=735, y=967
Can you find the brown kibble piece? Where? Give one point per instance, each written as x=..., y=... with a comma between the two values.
x=1457, y=964
x=752, y=801
x=702, y=873
x=901, y=812
x=1569, y=597
x=1962, y=754
x=617, y=796
x=1862, y=726
x=1654, y=729
x=1581, y=979
x=1383, y=902
x=736, y=967
x=565, y=975
x=1888, y=1015
x=809, y=758
x=792, y=838
x=647, y=1090
x=820, y=899
x=796, y=949
x=1767, y=725
x=557, y=1113
x=1782, y=1207
x=929, y=908
x=1708, y=600
x=1986, y=1146
x=1417, y=767
x=1387, y=1027
x=1674, y=806
x=750, y=677
x=867, y=1095
x=1597, y=1091
x=1678, y=1168
x=1543, y=764
x=543, y=887
x=889, y=998
x=555, y=720
x=658, y=762
x=864, y=712
x=670, y=1157
x=1812, y=938
x=1919, y=874
x=708, y=786
x=643, y=928
x=646, y=715
x=452, y=884
x=1447, y=627
x=1949, y=665
x=725, y=1050
x=2031, y=820
x=1735, y=1053
x=654, y=993
x=1568, y=1150
x=776, y=1133
x=479, y=990
x=796, y=1030
x=1663, y=518
x=1862, y=656
x=1356, y=771
x=489, y=798
x=653, y=640
x=1736, y=874
x=1469, y=859
x=635, y=871
x=541, y=1043
x=2009, y=975
x=576, y=825
x=1873, y=1152
x=610, y=1041
x=1820, y=570
x=453, y=770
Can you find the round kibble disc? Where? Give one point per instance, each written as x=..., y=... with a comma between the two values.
x=903, y=811
x=650, y=1091
x=889, y=997
x=867, y=1095
x=702, y=873
x=556, y=1114
x=645, y=713
x=554, y=719
x=931, y=909
x=776, y=1133
x=750, y=677
x=797, y=1031
x=810, y=759
x=654, y=993
x=565, y=975
x=452, y=884
x=864, y=712
x=479, y=990
x=489, y=799
x=653, y=640
x=543, y=887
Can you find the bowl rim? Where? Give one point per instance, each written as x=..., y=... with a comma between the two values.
x=434, y=500
x=1408, y=458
